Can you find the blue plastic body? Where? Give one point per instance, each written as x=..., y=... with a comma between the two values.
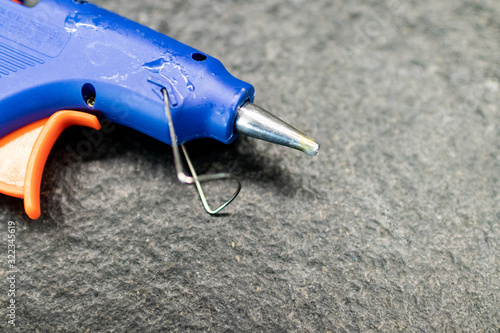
x=57, y=54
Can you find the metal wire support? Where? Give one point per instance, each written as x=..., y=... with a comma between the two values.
x=194, y=178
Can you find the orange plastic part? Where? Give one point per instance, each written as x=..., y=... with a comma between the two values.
x=24, y=152
x=15, y=150
x=16, y=1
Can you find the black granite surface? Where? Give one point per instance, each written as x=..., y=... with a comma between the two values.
x=394, y=226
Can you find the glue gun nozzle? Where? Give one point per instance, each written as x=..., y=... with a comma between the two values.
x=254, y=121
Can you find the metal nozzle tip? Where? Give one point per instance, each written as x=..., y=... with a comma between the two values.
x=310, y=147
x=254, y=121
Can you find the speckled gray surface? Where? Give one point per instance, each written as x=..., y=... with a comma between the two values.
x=394, y=226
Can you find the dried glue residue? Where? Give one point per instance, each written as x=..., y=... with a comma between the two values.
x=170, y=70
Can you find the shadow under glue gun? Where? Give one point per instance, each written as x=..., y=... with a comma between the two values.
x=62, y=55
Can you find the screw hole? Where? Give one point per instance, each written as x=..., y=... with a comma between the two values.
x=199, y=57
x=88, y=94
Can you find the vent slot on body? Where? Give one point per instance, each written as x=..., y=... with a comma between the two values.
x=13, y=60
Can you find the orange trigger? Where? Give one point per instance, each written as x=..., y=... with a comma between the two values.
x=24, y=152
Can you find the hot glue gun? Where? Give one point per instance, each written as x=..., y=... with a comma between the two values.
x=64, y=62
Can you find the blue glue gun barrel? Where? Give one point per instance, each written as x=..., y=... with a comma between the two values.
x=65, y=54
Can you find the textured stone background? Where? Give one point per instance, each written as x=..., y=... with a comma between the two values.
x=394, y=226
